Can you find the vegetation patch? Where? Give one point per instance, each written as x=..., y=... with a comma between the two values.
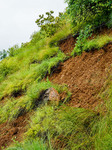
x=88, y=45
x=64, y=126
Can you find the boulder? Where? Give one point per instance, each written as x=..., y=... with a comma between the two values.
x=54, y=96
x=51, y=95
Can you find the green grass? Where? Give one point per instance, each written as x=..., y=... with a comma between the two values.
x=32, y=62
x=65, y=126
x=63, y=33
x=20, y=80
x=15, y=107
x=29, y=145
x=75, y=128
x=96, y=43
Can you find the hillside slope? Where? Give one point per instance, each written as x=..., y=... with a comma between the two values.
x=81, y=79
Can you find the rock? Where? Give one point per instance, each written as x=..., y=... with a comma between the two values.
x=54, y=96
x=51, y=95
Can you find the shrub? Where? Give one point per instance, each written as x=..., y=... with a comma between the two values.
x=36, y=36
x=109, y=23
x=94, y=12
x=81, y=40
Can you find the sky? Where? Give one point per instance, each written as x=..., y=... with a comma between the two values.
x=17, y=19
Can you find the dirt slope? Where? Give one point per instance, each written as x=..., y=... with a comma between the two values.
x=67, y=45
x=13, y=131
x=85, y=76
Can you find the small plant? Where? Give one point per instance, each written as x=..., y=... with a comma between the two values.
x=81, y=40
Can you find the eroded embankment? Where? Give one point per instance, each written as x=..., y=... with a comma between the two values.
x=85, y=75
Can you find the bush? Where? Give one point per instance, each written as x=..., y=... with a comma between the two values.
x=81, y=40
x=94, y=12
x=109, y=23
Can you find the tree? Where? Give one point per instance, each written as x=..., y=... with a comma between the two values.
x=93, y=12
x=49, y=24
x=3, y=54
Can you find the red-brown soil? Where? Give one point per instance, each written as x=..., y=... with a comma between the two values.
x=85, y=75
x=13, y=130
x=67, y=45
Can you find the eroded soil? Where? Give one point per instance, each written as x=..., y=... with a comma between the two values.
x=13, y=130
x=67, y=45
x=85, y=75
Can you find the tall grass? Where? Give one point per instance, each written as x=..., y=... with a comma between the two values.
x=97, y=43
x=63, y=33
x=69, y=128
x=75, y=128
